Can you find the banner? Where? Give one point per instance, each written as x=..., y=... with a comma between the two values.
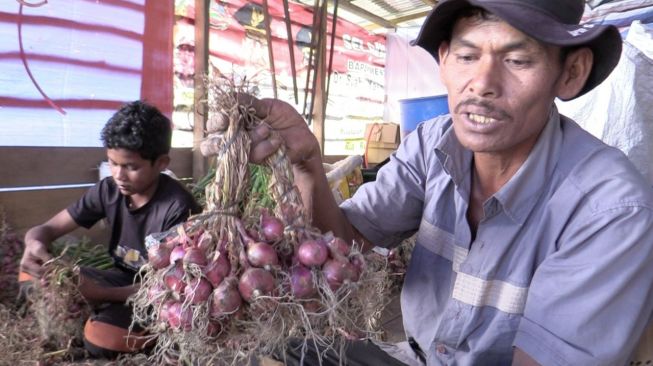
x=67, y=66
x=238, y=45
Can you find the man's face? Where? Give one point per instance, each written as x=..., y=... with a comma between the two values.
x=133, y=174
x=501, y=86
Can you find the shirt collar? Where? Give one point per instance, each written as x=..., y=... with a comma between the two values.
x=519, y=195
x=455, y=159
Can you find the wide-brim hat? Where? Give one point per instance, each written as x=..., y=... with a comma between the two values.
x=554, y=22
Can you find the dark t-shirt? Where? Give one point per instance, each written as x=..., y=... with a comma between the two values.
x=170, y=205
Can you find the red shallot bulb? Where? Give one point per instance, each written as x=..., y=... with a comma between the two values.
x=312, y=253
x=225, y=298
x=255, y=282
x=301, y=282
x=195, y=256
x=218, y=269
x=180, y=317
x=178, y=253
x=158, y=256
x=198, y=291
x=271, y=228
x=205, y=242
x=174, y=279
x=261, y=254
x=338, y=272
x=338, y=247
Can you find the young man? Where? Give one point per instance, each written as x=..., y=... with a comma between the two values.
x=136, y=200
x=534, y=239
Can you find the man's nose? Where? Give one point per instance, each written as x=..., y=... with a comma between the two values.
x=486, y=78
x=119, y=172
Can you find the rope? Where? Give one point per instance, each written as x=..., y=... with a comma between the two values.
x=23, y=58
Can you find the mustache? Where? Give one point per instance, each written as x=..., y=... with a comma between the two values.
x=487, y=106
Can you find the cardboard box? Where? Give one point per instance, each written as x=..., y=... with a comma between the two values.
x=382, y=139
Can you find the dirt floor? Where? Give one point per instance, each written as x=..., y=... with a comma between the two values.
x=20, y=340
x=21, y=336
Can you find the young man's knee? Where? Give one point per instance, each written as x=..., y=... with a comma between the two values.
x=104, y=340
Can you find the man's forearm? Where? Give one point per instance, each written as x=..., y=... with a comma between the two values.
x=41, y=234
x=319, y=201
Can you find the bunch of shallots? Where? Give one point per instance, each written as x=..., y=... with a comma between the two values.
x=239, y=280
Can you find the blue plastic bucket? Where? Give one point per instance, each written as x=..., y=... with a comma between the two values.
x=416, y=110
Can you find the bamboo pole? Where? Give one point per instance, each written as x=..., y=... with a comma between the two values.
x=200, y=112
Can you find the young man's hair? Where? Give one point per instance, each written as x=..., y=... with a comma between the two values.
x=139, y=127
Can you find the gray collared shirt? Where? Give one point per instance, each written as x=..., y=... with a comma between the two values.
x=561, y=265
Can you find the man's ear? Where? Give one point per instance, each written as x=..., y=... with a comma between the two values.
x=162, y=162
x=443, y=52
x=576, y=70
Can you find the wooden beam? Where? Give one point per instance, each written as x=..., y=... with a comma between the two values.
x=201, y=68
x=411, y=17
x=319, y=85
x=28, y=166
x=156, y=85
x=347, y=5
x=24, y=210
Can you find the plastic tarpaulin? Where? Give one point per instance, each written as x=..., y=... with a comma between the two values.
x=411, y=72
x=67, y=65
x=619, y=111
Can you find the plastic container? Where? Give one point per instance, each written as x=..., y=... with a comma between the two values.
x=416, y=110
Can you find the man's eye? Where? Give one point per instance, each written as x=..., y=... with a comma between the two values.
x=465, y=58
x=518, y=62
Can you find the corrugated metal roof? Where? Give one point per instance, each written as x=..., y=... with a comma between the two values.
x=382, y=15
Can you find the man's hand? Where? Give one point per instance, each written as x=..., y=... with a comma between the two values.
x=35, y=255
x=283, y=125
x=293, y=131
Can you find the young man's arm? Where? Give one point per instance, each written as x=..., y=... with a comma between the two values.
x=38, y=239
x=96, y=293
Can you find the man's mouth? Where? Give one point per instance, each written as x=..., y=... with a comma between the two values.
x=480, y=118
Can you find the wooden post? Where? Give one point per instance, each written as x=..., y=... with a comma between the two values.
x=319, y=104
x=201, y=67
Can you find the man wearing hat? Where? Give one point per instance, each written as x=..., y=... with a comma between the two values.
x=534, y=239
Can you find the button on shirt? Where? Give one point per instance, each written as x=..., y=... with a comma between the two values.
x=561, y=264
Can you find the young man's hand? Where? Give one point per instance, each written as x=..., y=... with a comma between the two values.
x=39, y=237
x=36, y=253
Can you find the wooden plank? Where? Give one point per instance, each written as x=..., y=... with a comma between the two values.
x=156, y=81
x=44, y=166
x=30, y=208
x=39, y=166
x=181, y=162
x=318, y=103
x=201, y=68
